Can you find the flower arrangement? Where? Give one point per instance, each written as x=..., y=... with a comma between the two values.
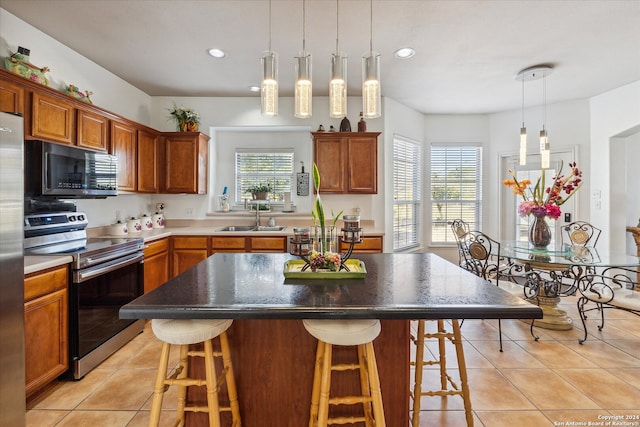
x=543, y=201
x=325, y=258
x=187, y=120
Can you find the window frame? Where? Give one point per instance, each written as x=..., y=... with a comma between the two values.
x=270, y=177
x=475, y=152
x=413, y=196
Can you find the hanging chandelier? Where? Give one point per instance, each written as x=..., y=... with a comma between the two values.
x=529, y=74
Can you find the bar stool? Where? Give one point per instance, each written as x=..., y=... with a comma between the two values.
x=360, y=333
x=183, y=333
x=445, y=379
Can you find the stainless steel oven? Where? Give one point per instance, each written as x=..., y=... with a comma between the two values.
x=106, y=273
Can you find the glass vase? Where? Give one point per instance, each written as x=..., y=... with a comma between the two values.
x=539, y=232
x=325, y=239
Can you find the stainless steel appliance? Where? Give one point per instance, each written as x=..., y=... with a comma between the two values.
x=106, y=273
x=64, y=171
x=12, y=393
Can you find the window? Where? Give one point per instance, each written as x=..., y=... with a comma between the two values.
x=456, y=189
x=406, y=193
x=273, y=167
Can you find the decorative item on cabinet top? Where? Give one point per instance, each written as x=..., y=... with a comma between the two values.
x=76, y=93
x=187, y=120
x=18, y=63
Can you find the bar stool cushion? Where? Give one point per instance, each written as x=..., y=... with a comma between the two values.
x=188, y=331
x=343, y=332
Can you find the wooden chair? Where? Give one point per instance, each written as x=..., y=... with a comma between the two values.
x=184, y=333
x=614, y=289
x=448, y=387
x=459, y=229
x=580, y=233
x=484, y=260
x=360, y=333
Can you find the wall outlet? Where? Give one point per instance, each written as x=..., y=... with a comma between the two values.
x=188, y=212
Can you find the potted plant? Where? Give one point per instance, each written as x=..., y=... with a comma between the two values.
x=259, y=191
x=187, y=120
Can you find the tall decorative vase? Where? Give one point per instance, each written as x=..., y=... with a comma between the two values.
x=539, y=232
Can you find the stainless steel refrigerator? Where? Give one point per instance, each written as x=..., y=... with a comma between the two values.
x=12, y=397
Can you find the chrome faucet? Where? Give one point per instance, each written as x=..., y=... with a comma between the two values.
x=257, y=214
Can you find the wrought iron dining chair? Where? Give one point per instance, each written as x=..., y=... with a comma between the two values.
x=580, y=233
x=459, y=228
x=613, y=289
x=483, y=259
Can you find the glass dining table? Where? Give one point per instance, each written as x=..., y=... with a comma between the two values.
x=554, y=272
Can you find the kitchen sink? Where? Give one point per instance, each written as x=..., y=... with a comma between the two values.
x=240, y=228
x=237, y=228
x=268, y=228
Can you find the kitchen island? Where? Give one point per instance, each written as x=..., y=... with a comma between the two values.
x=274, y=355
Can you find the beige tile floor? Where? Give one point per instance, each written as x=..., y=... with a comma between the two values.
x=552, y=382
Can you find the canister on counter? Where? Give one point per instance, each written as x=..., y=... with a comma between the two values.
x=351, y=229
x=301, y=240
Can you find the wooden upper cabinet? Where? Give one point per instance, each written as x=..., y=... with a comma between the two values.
x=185, y=162
x=93, y=130
x=123, y=145
x=149, y=157
x=11, y=97
x=52, y=119
x=347, y=161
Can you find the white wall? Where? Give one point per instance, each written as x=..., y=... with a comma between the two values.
x=614, y=114
x=69, y=67
x=401, y=121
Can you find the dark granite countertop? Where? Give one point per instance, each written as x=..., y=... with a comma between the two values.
x=396, y=286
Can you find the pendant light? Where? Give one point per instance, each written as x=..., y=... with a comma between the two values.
x=371, y=77
x=303, y=89
x=338, y=84
x=523, y=134
x=536, y=72
x=544, y=139
x=269, y=86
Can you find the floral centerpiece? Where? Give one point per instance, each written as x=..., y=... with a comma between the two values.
x=325, y=239
x=542, y=202
x=187, y=120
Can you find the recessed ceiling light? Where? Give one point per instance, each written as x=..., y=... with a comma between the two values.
x=404, y=53
x=216, y=53
x=254, y=88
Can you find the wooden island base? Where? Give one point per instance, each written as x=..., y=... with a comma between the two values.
x=274, y=362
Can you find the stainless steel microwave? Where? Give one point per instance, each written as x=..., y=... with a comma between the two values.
x=65, y=171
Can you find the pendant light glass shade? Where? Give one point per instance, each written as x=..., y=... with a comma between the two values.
x=269, y=86
x=544, y=150
x=371, y=85
x=523, y=146
x=338, y=86
x=303, y=89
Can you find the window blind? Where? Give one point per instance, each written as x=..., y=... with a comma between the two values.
x=269, y=167
x=406, y=193
x=456, y=189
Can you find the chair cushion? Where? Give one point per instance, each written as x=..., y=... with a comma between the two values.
x=188, y=331
x=343, y=332
x=623, y=298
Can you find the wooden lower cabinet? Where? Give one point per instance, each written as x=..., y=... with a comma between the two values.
x=156, y=264
x=187, y=252
x=369, y=245
x=45, y=327
x=248, y=244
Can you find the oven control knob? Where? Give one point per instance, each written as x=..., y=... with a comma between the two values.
x=80, y=217
x=72, y=218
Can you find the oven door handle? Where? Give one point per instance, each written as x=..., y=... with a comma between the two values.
x=107, y=267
